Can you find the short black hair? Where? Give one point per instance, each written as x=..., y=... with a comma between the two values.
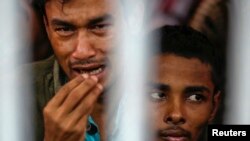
x=42, y=3
x=186, y=42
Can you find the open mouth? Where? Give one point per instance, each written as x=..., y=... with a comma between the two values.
x=91, y=70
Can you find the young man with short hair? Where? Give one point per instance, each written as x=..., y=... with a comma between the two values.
x=69, y=84
x=185, y=92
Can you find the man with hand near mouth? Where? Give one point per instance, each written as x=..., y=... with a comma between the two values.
x=186, y=88
x=70, y=84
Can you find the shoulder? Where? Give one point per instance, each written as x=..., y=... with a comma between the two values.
x=43, y=89
x=43, y=67
x=42, y=79
x=39, y=69
x=42, y=74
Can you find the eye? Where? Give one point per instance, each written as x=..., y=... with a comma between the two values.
x=101, y=29
x=64, y=30
x=196, y=98
x=157, y=96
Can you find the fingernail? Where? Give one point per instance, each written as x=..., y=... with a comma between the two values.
x=85, y=76
x=94, y=78
x=100, y=86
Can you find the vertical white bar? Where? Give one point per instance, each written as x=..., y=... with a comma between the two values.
x=133, y=66
x=238, y=85
x=15, y=96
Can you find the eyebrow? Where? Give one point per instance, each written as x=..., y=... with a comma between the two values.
x=60, y=22
x=196, y=89
x=160, y=86
x=106, y=17
x=93, y=21
x=165, y=87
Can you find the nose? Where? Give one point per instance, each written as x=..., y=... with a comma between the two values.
x=85, y=47
x=174, y=114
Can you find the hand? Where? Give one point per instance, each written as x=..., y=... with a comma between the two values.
x=66, y=114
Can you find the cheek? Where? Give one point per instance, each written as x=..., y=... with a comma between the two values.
x=62, y=50
x=156, y=116
x=197, y=118
x=199, y=112
x=61, y=46
x=103, y=44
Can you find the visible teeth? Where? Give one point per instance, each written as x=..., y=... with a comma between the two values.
x=96, y=71
x=92, y=72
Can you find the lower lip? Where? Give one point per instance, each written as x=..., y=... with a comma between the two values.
x=175, y=138
x=102, y=74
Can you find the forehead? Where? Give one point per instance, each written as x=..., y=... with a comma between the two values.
x=77, y=9
x=172, y=69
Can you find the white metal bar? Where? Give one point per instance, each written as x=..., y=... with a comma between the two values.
x=133, y=67
x=238, y=85
x=15, y=96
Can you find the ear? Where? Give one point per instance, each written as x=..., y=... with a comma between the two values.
x=216, y=102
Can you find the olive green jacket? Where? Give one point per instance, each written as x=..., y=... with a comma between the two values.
x=47, y=79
